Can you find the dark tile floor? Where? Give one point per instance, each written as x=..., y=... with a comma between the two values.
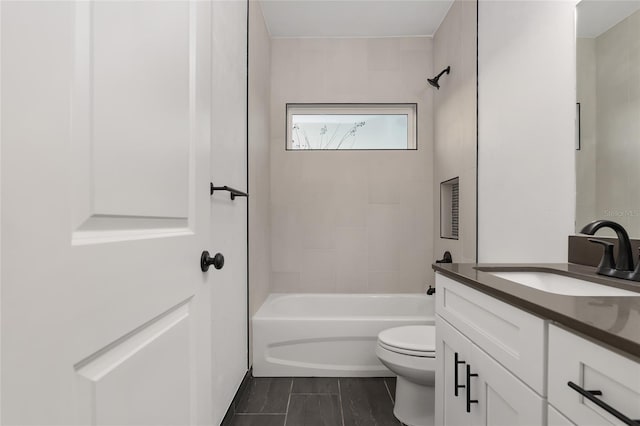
x=316, y=401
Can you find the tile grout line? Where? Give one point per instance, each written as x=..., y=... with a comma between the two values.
x=260, y=414
x=340, y=401
x=286, y=414
x=314, y=393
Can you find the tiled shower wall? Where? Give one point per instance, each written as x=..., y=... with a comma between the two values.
x=351, y=221
x=455, y=122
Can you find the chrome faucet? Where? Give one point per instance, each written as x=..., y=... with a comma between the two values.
x=622, y=267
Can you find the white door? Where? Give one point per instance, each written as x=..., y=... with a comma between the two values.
x=229, y=217
x=105, y=210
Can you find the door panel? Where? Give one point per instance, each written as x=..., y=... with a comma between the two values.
x=133, y=105
x=119, y=380
x=106, y=132
x=141, y=99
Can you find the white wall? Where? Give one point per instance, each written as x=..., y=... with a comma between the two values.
x=454, y=44
x=259, y=158
x=527, y=95
x=351, y=221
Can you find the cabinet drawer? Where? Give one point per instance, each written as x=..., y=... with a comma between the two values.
x=592, y=367
x=516, y=339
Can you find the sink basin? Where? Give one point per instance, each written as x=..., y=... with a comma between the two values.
x=560, y=284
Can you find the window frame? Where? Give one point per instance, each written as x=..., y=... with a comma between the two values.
x=410, y=109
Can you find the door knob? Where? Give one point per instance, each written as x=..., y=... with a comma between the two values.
x=205, y=261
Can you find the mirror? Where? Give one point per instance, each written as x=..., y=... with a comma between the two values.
x=608, y=113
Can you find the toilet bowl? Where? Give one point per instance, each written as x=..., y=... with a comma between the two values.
x=409, y=352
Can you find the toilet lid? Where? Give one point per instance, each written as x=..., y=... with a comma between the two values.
x=413, y=338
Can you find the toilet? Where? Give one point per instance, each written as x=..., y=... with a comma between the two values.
x=410, y=352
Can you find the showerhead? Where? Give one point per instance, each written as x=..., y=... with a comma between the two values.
x=434, y=81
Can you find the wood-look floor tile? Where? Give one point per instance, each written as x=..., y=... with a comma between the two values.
x=314, y=410
x=266, y=395
x=366, y=402
x=315, y=385
x=258, y=420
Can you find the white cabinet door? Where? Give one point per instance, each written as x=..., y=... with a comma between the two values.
x=489, y=395
x=453, y=352
x=502, y=399
x=555, y=418
x=105, y=210
x=229, y=217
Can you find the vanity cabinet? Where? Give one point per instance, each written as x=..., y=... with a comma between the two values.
x=485, y=347
x=520, y=366
x=613, y=379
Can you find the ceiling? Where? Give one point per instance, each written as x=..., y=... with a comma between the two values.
x=597, y=16
x=354, y=18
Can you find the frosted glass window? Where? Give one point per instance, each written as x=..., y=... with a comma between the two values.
x=351, y=126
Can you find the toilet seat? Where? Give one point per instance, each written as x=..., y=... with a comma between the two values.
x=412, y=340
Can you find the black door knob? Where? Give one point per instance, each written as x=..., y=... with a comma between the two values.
x=205, y=261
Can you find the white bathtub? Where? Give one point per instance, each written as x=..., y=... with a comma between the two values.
x=330, y=335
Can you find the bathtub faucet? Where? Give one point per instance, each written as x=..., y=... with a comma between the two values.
x=431, y=291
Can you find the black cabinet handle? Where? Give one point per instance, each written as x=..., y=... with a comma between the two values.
x=457, y=362
x=205, y=261
x=469, y=400
x=591, y=396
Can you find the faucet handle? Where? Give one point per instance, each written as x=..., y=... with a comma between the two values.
x=635, y=275
x=607, y=261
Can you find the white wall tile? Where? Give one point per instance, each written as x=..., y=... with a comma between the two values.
x=385, y=282
x=285, y=282
x=317, y=271
x=388, y=235
x=455, y=125
x=342, y=206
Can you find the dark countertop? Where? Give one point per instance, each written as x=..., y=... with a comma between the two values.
x=614, y=321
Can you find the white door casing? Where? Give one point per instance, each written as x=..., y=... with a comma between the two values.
x=106, y=110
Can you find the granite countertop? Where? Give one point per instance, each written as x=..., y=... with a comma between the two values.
x=614, y=321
